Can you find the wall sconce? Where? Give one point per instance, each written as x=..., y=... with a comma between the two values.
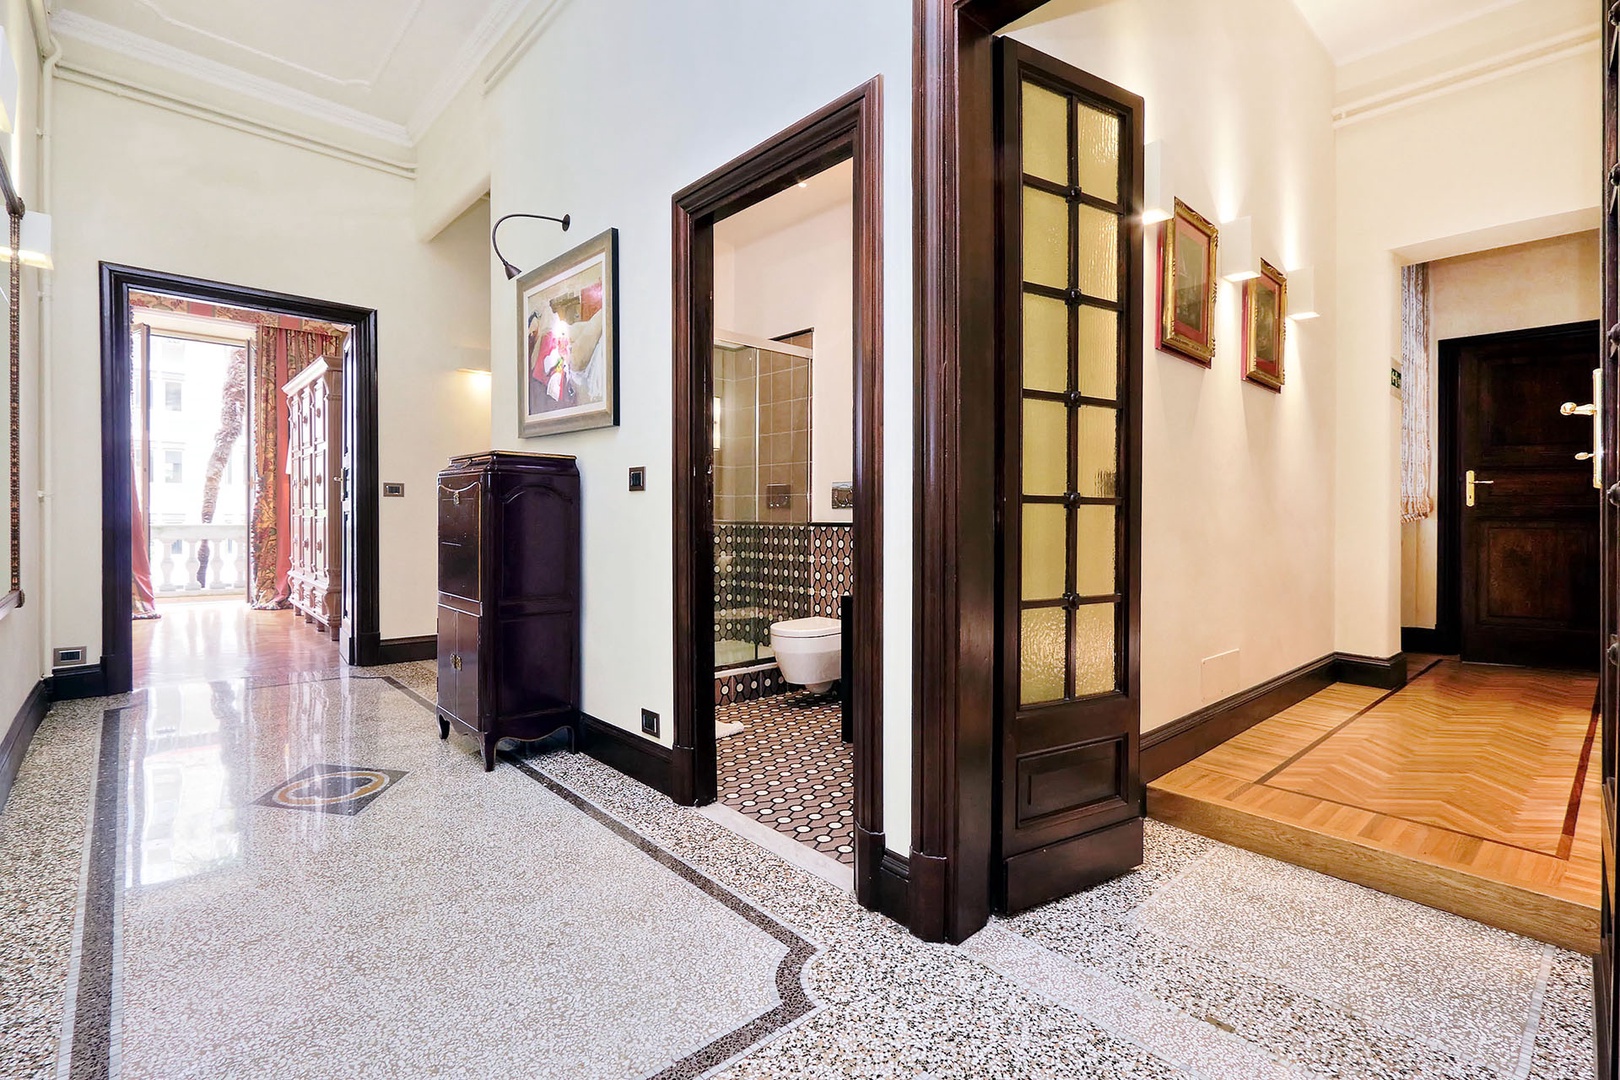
x=1158, y=193
x=1236, y=252
x=34, y=242
x=8, y=85
x=512, y=271
x=1302, y=293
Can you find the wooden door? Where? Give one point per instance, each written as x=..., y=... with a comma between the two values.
x=1608, y=1007
x=1529, y=528
x=348, y=558
x=1069, y=722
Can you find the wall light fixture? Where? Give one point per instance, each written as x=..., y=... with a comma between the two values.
x=513, y=271
x=1236, y=253
x=1302, y=293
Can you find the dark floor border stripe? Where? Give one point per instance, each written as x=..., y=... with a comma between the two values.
x=90, y=1057
x=795, y=1003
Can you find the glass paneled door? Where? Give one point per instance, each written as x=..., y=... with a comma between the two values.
x=1070, y=319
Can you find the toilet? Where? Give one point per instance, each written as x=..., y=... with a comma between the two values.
x=807, y=651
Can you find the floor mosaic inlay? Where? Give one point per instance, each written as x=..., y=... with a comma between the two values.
x=790, y=769
x=331, y=789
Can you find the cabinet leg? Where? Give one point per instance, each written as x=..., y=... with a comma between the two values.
x=444, y=728
x=489, y=752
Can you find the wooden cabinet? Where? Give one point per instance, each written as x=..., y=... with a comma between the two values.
x=509, y=632
x=314, y=501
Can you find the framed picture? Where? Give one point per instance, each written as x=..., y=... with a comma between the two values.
x=1187, y=285
x=1265, y=307
x=568, y=322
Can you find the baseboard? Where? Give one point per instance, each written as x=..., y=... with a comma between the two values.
x=76, y=683
x=1384, y=673
x=19, y=734
x=1180, y=741
x=1427, y=639
x=894, y=887
x=404, y=650
x=367, y=649
x=638, y=758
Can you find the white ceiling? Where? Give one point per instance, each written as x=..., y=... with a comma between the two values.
x=822, y=192
x=1354, y=29
x=395, y=62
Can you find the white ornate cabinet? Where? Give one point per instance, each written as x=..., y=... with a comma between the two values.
x=314, y=514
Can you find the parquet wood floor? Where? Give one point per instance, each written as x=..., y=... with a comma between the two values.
x=1467, y=790
x=226, y=639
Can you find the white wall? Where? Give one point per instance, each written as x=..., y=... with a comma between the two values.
x=21, y=662
x=1545, y=283
x=1237, y=487
x=139, y=185
x=614, y=109
x=803, y=276
x=1441, y=177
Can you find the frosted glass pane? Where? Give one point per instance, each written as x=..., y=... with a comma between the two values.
x=1042, y=655
x=1046, y=239
x=1099, y=452
x=1046, y=134
x=1094, y=666
x=1094, y=542
x=1046, y=344
x=1099, y=253
x=1046, y=448
x=1046, y=551
x=1098, y=152
x=1099, y=353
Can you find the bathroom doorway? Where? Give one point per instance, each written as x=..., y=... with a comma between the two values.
x=778, y=494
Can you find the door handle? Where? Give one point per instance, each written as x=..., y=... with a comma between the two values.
x=1471, y=483
x=455, y=661
x=1569, y=408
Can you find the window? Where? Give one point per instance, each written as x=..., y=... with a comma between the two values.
x=172, y=459
x=171, y=396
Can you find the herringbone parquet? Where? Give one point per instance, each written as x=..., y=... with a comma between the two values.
x=1467, y=790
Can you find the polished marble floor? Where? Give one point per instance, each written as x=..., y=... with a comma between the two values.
x=223, y=638
x=179, y=898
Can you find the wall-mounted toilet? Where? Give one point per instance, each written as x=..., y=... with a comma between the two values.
x=807, y=651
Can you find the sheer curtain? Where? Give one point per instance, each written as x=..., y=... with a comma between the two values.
x=1417, y=378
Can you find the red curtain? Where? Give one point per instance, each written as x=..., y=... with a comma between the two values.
x=278, y=355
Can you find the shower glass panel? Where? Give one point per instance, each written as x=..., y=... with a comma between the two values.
x=761, y=430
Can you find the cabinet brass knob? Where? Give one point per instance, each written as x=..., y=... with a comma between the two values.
x=455, y=661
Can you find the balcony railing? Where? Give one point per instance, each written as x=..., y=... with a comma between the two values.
x=177, y=560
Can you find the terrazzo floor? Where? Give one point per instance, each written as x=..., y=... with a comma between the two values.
x=789, y=768
x=459, y=921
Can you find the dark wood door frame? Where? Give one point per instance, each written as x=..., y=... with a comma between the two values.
x=954, y=589
x=848, y=129
x=1446, y=637
x=117, y=282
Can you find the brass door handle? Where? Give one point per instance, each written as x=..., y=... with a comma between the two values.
x=455, y=661
x=1585, y=455
x=1569, y=408
x=1595, y=455
x=1470, y=483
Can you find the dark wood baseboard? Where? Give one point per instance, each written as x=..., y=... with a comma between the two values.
x=75, y=683
x=19, y=734
x=1428, y=639
x=638, y=758
x=894, y=887
x=404, y=650
x=1179, y=741
x=1384, y=673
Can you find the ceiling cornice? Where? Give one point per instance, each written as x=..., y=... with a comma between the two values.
x=81, y=28
x=495, y=25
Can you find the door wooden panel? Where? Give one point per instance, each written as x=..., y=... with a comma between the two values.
x=1608, y=1007
x=1068, y=723
x=1530, y=541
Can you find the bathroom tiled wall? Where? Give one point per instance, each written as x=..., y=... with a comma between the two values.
x=765, y=573
x=762, y=449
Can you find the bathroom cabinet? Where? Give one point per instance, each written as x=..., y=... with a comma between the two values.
x=509, y=630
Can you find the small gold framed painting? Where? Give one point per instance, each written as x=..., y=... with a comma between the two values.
x=1187, y=285
x=1265, y=310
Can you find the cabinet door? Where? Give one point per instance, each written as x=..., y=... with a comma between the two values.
x=460, y=502
x=465, y=661
x=449, y=673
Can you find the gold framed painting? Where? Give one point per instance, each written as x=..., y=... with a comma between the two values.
x=568, y=322
x=1187, y=279
x=1265, y=314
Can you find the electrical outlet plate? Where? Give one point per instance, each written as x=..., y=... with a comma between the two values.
x=393, y=491
x=69, y=656
x=638, y=478
x=649, y=722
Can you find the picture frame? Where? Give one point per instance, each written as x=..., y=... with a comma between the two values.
x=1265, y=316
x=1187, y=285
x=568, y=334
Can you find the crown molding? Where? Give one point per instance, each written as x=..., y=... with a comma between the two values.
x=538, y=24
x=87, y=31
x=1547, y=51
x=119, y=86
x=336, y=80
x=492, y=28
